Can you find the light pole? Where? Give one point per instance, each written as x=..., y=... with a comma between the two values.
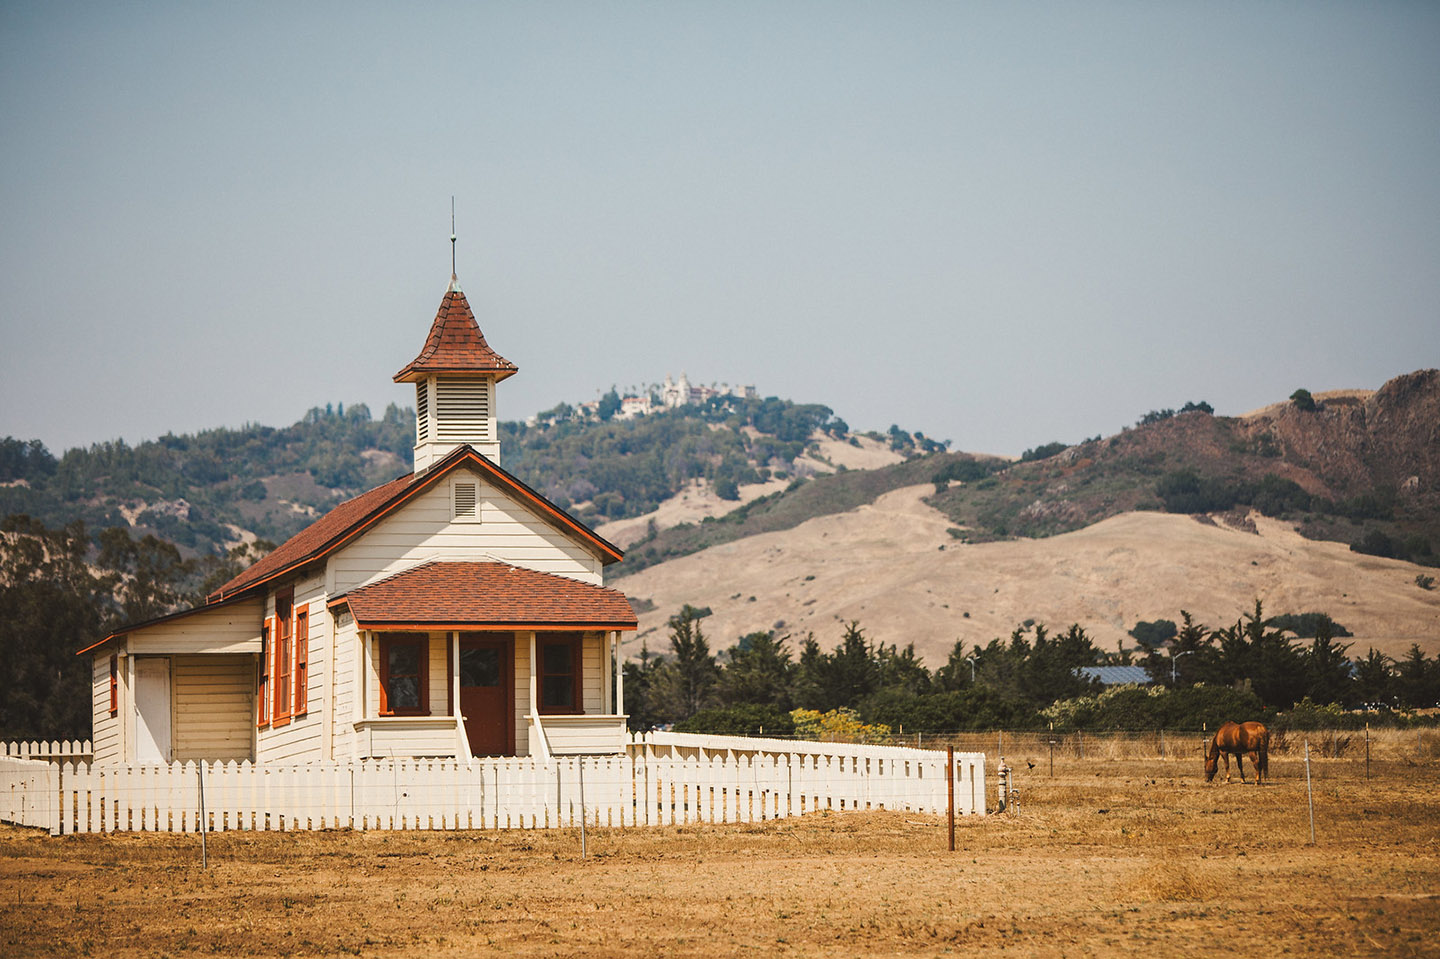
x=971, y=661
x=1173, y=657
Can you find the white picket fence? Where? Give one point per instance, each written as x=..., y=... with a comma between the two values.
x=654, y=784
x=75, y=750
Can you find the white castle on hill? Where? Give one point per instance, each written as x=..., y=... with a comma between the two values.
x=672, y=394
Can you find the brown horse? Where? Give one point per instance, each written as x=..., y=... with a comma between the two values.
x=1239, y=739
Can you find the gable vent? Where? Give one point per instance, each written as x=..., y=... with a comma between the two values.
x=466, y=501
x=462, y=409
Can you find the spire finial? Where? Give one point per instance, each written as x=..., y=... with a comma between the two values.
x=454, y=276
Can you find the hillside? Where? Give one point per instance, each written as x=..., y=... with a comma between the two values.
x=703, y=484
x=1185, y=510
x=213, y=491
x=892, y=566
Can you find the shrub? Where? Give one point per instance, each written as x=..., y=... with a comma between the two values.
x=838, y=724
x=746, y=719
x=1043, y=452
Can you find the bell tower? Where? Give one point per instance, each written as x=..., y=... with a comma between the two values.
x=455, y=377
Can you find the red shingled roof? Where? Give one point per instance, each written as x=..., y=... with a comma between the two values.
x=486, y=595
x=353, y=516
x=456, y=345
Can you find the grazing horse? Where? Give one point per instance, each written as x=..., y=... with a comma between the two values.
x=1239, y=739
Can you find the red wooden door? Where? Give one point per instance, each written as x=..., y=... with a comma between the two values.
x=487, y=687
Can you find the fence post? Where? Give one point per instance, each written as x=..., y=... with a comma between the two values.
x=1309, y=796
x=950, y=791
x=200, y=774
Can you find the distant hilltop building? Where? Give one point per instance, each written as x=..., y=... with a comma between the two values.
x=672, y=394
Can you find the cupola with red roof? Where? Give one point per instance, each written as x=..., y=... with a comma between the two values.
x=455, y=376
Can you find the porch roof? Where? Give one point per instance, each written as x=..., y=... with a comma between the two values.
x=487, y=595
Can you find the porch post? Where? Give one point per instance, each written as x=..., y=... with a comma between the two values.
x=537, y=735
x=462, y=742
x=127, y=711
x=455, y=673
x=607, y=670
x=362, y=700
x=619, y=679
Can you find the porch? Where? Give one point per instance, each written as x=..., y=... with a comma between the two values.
x=523, y=693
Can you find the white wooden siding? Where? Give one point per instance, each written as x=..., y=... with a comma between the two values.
x=105, y=728
x=584, y=735
x=300, y=739
x=423, y=529
x=348, y=651
x=230, y=629
x=439, y=674
x=390, y=737
x=214, y=706
x=591, y=697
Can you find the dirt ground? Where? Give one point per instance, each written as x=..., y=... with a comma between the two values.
x=1126, y=857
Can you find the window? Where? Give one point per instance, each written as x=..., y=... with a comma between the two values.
x=404, y=674
x=302, y=657
x=559, y=669
x=284, y=658
x=262, y=682
x=114, y=684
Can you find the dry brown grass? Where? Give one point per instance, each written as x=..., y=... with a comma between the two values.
x=1108, y=858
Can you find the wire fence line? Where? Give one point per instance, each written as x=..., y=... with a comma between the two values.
x=1416, y=744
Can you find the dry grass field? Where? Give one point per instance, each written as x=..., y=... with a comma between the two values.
x=1107, y=857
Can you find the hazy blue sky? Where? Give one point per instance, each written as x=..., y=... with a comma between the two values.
x=997, y=223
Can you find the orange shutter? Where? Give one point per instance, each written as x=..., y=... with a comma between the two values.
x=302, y=657
x=262, y=682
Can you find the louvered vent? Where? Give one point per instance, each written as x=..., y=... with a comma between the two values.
x=466, y=501
x=462, y=410
x=422, y=411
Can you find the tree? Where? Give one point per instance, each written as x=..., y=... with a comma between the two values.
x=955, y=674
x=1374, y=680
x=685, y=684
x=151, y=570
x=901, y=670
x=1327, y=670
x=807, y=689
x=1150, y=635
x=1417, y=679
x=758, y=672
x=1303, y=401
x=639, y=693
x=850, y=673
x=1050, y=670
x=609, y=405
x=1252, y=652
x=51, y=606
